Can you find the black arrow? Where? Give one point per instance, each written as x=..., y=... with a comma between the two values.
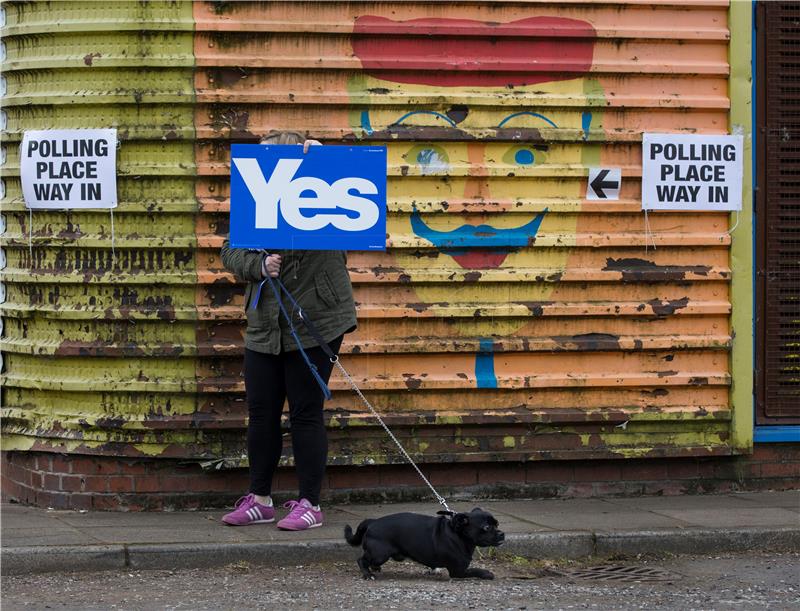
x=598, y=185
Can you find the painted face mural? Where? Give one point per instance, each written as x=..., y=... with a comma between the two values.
x=494, y=131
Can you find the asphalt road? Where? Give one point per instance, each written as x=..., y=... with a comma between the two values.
x=753, y=581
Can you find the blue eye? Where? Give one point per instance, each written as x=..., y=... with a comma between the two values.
x=432, y=160
x=426, y=156
x=523, y=157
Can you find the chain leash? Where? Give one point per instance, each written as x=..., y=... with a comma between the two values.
x=277, y=286
x=439, y=497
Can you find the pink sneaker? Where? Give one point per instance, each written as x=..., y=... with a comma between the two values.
x=249, y=511
x=302, y=516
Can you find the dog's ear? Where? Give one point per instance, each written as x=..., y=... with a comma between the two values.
x=460, y=521
x=476, y=509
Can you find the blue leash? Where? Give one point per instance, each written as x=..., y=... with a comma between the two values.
x=335, y=360
x=312, y=330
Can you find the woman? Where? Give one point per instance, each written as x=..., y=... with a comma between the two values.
x=274, y=368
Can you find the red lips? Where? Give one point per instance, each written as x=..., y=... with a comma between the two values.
x=463, y=52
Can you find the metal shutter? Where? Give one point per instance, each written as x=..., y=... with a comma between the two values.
x=779, y=212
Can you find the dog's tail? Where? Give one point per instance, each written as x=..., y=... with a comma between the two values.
x=355, y=539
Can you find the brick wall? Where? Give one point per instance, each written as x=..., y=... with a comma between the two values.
x=114, y=484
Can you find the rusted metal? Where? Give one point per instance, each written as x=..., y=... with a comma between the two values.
x=778, y=224
x=99, y=346
x=548, y=329
x=579, y=323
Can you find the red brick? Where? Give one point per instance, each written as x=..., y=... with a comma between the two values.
x=665, y=488
x=750, y=470
x=84, y=466
x=43, y=462
x=71, y=483
x=147, y=483
x=25, y=494
x=644, y=471
x=43, y=498
x=60, y=464
x=106, y=502
x=172, y=484
x=81, y=501
x=682, y=469
x=120, y=483
x=284, y=480
x=726, y=469
x=15, y=473
x=489, y=474
x=399, y=475
x=777, y=469
x=454, y=475
x=549, y=472
x=8, y=488
x=95, y=483
x=600, y=471
x=133, y=468
x=723, y=487
x=362, y=477
x=579, y=490
x=774, y=452
x=51, y=482
x=56, y=500
x=706, y=467
x=37, y=479
x=611, y=489
x=211, y=483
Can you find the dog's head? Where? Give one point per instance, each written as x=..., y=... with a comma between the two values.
x=479, y=527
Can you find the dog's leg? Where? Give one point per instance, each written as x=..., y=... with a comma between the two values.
x=474, y=572
x=363, y=564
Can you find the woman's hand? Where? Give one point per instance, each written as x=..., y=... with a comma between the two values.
x=271, y=266
x=309, y=143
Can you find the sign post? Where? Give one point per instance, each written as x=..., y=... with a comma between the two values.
x=692, y=172
x=69, y=168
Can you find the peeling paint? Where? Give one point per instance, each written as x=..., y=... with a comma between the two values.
x=528, y=324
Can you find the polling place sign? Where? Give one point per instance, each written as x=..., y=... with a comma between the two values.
x=692, y=172
x=69, y=168
x=330, y=198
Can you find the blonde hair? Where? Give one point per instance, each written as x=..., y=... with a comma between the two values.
x=283, y=137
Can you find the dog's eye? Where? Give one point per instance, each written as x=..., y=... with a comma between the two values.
x=487, y=528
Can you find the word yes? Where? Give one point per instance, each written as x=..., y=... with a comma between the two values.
x=291, y=194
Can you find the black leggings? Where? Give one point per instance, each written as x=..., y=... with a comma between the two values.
x=270, y=379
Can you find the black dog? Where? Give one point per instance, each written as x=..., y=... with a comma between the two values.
x=444, y=541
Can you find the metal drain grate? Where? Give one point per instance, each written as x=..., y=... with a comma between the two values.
x=618, y=572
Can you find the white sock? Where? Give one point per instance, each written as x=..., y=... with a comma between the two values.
x=315, y=507
x=264, y=500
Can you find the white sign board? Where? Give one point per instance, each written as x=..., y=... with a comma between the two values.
x=692, y=172
x=604, y=184
x=69, y=168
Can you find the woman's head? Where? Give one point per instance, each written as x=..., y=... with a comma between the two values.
x=283, y=137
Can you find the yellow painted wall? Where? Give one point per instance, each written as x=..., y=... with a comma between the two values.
x=556, y=323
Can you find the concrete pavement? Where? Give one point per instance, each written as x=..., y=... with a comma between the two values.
x=42, y=540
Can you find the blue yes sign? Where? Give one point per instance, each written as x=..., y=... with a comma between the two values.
x=330, y=198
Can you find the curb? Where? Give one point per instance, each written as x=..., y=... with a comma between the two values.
x=547, y=545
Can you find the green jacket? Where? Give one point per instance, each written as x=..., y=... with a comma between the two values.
x=317, y=279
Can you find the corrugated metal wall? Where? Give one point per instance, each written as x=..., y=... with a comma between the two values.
x=100, y=351
x=510, y=318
